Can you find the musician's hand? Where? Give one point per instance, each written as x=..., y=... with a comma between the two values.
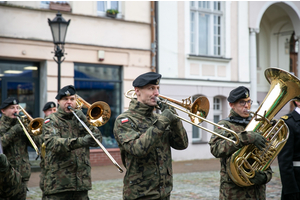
x=81, y=115
x=16, y=128
x=169, y=114
x=86, y=141
x=259, y=178
x=3, y=163
x=98, y=137
x=251, y=137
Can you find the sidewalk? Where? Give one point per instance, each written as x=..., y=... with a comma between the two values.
x=111, y=172
x=192, y=180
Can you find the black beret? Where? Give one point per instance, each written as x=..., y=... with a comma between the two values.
x=9, y=101
x=147, y=78
x=65, y=91
x=48, y=105
x=240, y=92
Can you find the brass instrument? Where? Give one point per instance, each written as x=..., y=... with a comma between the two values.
x=245, y=161
x=33, y=126
x=197, y=111
x=98, y=114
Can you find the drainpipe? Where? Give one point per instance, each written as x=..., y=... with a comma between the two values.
x=153, y=36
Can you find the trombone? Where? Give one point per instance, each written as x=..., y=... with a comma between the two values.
x=98, y=114
x=34, y=127
x=197, y=111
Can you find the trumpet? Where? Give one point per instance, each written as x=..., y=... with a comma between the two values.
x=98, y=114
x=197, y=111
x=33, y=128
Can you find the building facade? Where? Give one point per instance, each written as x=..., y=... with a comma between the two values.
x=208, y=48
x=103, y=55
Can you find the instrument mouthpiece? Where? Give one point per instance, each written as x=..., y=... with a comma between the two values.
x=70, y=108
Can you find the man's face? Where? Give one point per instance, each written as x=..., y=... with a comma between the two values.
x=49, y=111
x=148, y=94
x=10, y=110
x=242, y=106
x=67, y=101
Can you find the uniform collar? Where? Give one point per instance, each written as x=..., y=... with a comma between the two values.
x=61, y=113
x=7, y=120
x=141, y=108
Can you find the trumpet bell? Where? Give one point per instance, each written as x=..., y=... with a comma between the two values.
x=200, y=108
x=99, y=113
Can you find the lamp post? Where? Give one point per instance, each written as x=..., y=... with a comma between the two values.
x=59, y=28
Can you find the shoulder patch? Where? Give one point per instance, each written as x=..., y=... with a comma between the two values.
x=124, y=120
x=46, y=121
x=285, y=117
x=220, y=126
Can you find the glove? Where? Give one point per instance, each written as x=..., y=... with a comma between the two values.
x=16, y=128
x=169, y=114
x=259, y=178
x=98, y=137
x=86, y=141
x=251, y=137
x=164, y=106
x=293, y=196
x=81, y=115
x=3, y=163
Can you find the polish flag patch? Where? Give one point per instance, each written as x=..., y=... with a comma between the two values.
x=46, y=121
x=124, y=120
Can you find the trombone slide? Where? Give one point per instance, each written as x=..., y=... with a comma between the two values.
x=97, y=141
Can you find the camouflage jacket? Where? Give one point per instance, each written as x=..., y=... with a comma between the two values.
x=10, y=183
x=15, y=148
x=145, y=142
x=223, y=149
x=66, y=168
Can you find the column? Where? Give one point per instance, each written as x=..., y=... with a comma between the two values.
x=253, y=69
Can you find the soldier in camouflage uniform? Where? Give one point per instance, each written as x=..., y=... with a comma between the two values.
x=49, y=108
x=10, y=181
x=145, y=140
x=15, y=142
x=67, y=159
x=237, y=121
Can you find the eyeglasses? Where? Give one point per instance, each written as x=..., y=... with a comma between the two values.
x=243, y=103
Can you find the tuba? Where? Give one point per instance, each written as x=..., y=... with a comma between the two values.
x=245, y=161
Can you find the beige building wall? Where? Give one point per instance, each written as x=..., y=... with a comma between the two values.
x=125, y=42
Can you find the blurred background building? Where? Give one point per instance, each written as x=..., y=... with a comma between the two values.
x=200, y=47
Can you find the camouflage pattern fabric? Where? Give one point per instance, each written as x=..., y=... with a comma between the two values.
x=39, y=141
x=145, y=140
x=66, y=168
x=11, y=184
x=15, y=148
x=223, y=149
x=68, y=195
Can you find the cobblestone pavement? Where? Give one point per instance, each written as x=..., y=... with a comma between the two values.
x=187, y=186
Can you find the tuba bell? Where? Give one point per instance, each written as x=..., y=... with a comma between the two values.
x=245, y=161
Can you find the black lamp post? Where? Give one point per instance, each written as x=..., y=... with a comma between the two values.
x=59, y=28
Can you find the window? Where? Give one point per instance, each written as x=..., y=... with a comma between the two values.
x=206, y=28
x=217, y=109
x=197, y=135
x=102, y=6
x=101, y=83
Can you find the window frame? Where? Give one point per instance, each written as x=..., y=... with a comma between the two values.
x=210, y=37
x=108, y=6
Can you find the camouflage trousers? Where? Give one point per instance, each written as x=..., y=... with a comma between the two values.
x=21, y=195
x=82, y=195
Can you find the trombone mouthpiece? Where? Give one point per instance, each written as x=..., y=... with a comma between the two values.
x=70, y=108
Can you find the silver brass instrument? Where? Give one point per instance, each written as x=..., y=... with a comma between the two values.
x=98, y=114
x=197, y=111
x=244, y=162
x=33, y=126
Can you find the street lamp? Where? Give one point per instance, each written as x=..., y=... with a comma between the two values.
x=59, y=28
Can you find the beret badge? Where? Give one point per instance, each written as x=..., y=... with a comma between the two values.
x=67, y=93
x=14, y=102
